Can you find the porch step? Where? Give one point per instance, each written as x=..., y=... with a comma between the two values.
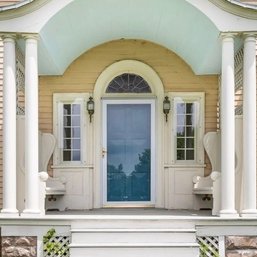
x=133, y=237
x=134, y=250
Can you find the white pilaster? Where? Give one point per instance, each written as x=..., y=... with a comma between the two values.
x=227, y=128
x=31, y=127
x=249, y=127
x=9, y=127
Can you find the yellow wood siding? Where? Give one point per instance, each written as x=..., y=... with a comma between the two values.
x=82, y=74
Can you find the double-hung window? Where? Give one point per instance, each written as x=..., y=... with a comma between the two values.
x=69, y=128
x=188, y=127
x=71, y=131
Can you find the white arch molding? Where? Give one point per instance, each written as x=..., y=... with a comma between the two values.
x=154, y=81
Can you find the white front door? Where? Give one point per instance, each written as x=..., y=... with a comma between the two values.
x=128, y=152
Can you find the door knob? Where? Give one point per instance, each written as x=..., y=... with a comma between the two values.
x=104, y=151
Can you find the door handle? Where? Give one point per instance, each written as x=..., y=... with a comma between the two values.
x=104, y=151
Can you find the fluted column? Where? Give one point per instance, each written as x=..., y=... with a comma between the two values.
x=31, y=126
x=227, y=128
x=249, y=127
x=9, y=127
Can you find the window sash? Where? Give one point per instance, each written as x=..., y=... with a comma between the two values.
x=187, y=127
x=70, y=120
x=75, y=131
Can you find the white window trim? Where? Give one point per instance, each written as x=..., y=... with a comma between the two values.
x=200, y=129
x=63, y=98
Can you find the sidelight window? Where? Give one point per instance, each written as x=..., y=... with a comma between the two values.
x=188, y=127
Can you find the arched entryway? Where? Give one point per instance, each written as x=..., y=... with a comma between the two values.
x=128, y=104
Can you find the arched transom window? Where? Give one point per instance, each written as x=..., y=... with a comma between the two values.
x=128, y=83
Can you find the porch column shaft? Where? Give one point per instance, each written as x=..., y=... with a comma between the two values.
x=9, y=127
x=249, y=127
x=31, y=127
x=227, y=128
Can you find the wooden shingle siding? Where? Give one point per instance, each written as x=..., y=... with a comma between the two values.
x=82, y=74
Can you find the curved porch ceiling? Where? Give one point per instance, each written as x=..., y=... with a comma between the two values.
x=68, y=28
x=177, y=25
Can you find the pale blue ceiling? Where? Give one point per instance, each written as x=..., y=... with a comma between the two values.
x=175, y=24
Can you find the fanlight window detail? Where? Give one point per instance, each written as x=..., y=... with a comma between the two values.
x=128, y=83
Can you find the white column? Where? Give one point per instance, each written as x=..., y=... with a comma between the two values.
x=9, y=127
x=227, y=128
x=31, y=127
x=249, y=127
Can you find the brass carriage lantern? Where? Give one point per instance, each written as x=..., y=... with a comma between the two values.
x=90, y=107
x=166, y=107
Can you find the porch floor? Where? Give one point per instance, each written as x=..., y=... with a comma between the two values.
x=134, y=212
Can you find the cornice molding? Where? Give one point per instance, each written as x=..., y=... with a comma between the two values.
x=234, y=7
x=28, y=6
x=21, y=9
x=15, y=6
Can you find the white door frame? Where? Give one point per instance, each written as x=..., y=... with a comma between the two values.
x=106, y=203
x=154, y=81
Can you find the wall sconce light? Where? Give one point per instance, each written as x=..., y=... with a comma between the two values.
x=166, y=107
x=90, y=107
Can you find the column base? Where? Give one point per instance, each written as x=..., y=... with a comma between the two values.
x=30, y=213
x=228, y=214
x=9, y=213
x=251, y=213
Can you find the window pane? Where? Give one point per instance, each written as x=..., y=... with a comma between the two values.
x=76, y=109
x=71, y=136
x=128, y=83
x=75, y=143
x=180, y=108
x=67, y=144
x=76, y=155
x=190, y=143
x=76, y=132
x=180, y=155
x=67, y=121
x=75, y=121
x=180, y=120
x=67, y=133
x=190, y=155
x=189, y=119
x=180, y=131
x=66, y=109
x=189, y=108
x=180, y=142
x=66, y=155
x=190, y=131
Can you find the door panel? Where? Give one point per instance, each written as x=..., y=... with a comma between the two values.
x=128, y=163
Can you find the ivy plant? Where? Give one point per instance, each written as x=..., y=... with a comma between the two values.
x=53, y=247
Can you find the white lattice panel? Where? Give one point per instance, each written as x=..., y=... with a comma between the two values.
x=59, y=247
x=239, y=58
x=209, y=246
x=20, y=82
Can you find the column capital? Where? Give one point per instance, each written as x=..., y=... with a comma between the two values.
x=227, y=35
x=30, y=36
x=8, y=36
x=249, y=34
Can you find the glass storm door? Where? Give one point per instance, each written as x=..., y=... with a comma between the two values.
x=128, y=147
